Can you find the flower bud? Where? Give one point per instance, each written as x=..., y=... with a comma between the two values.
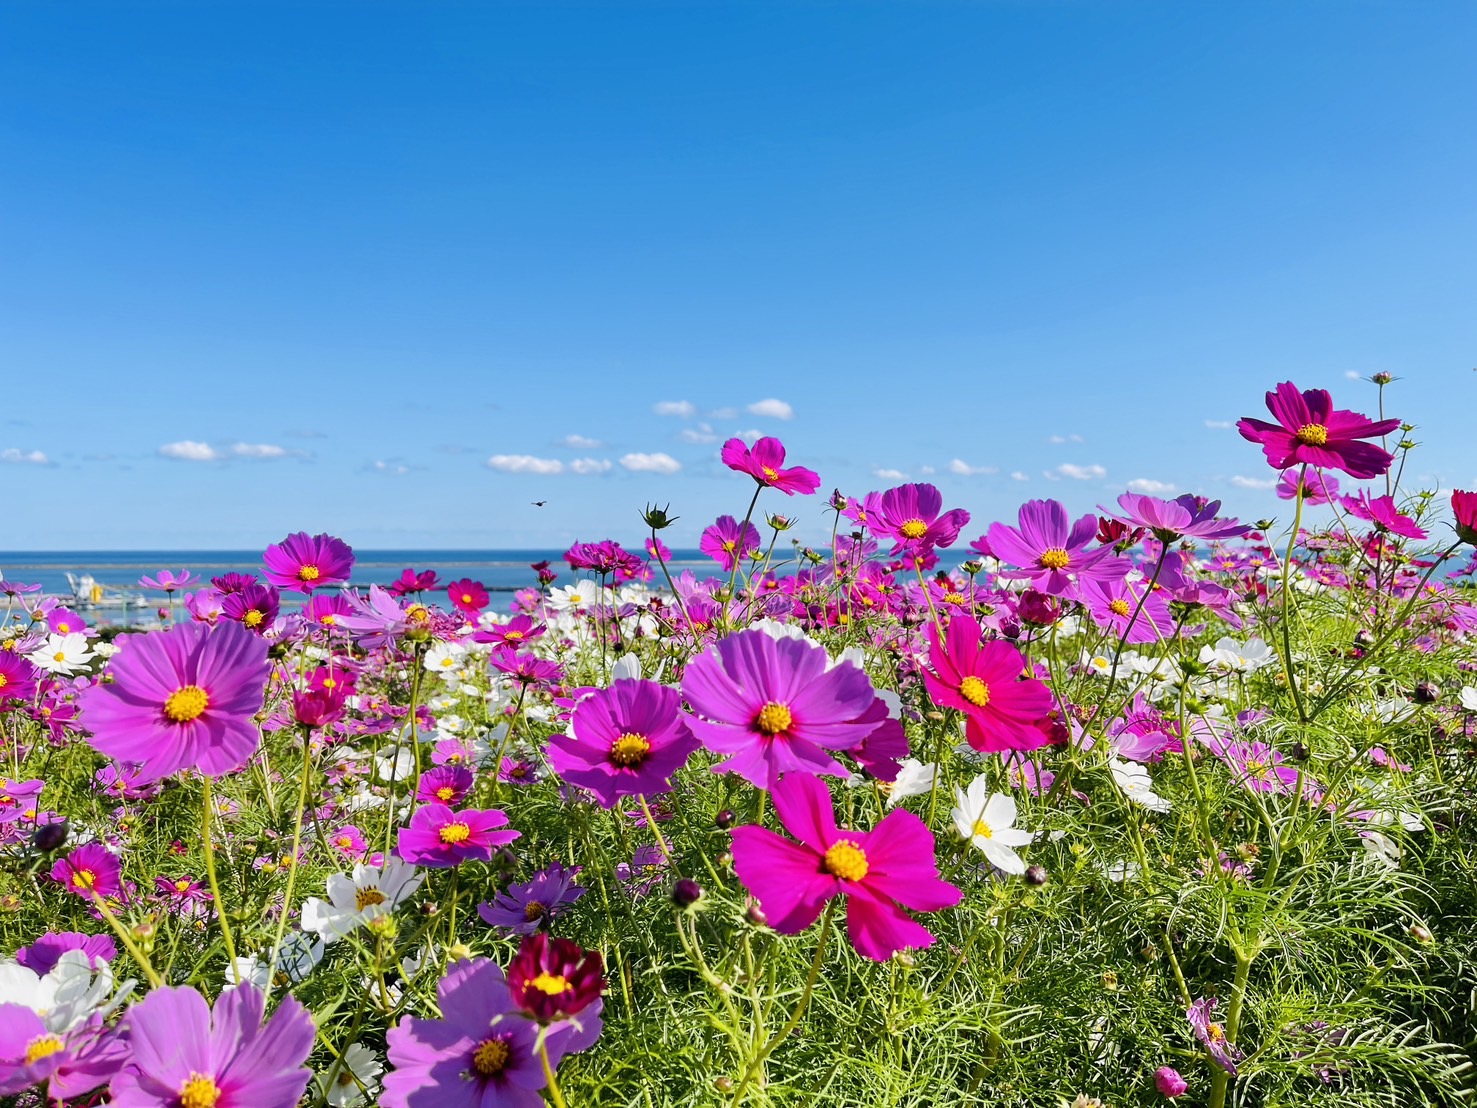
x=49, y=836
x=1169, y=1083
x=725, y=819
x=755, y=915
x=657, y=518
x=1421, y=934
x=1427, y=692
x=686, y=893
x=1036, y=875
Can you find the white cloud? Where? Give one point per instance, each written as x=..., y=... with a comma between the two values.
x=1220, y=424
x=1080, y=473
x=927, y=471
x=1059, y=439
x=774, y=409
x=579, y=442
x=525, y=463
x=682, y=408
x=651, y=463
x=1352, y=374
x=258, y=450
x=889, y=474
x=1017, y=475
x=24, y=457
x=590, y=465
x=1150, y=486
x=1254, y=482
x=964, y=469
x=187, y=450
x=723, y=413
x=391, y=467
x=703, y=432
x=749, y=436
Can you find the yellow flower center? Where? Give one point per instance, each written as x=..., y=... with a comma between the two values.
x=42, y=1046
x=954, y=598
x=199, y=1092
x=64, y=627
x=512, y=634
x=533, y=910
x=769, y=472
x=367, y=897
x=448, y=662
x=308, y=572
x=630, y=749
x=454, y=833
x=846, y=860
x=187, y=703
x=975, y=691
x=4, y=680
x=551, y=984
x=1055, y=558
x=8, y=644
x=1118, y=607
x=982, y=830
x=1216, y=1032
x=774, y=719
x=59, y=656
x=490, y=1057
x=84, y=879
x=730, y=545
x=182, y=885
x=466, y=598
x=418, y=613
x=253, y=617
x=1312, y=434
x=445, y=793
x=913, y=529
x=1257, y=769
x=328, y=620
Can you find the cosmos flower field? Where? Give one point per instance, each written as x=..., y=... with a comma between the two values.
x=1148, y=804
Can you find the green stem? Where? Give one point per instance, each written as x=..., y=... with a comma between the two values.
x=553, y=1082
x=1222, y=1080
x=297, y=838
x=215, y=887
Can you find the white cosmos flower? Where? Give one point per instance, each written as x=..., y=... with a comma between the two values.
x=1382, y=849
x=1137, y=785
x=298, y=957
x=65, y=996
x=355, y=899
x=1468, y=698
x=1234, y=657
x=914, y=778
x=988, y=822
x=65, y=654
x=578, y=596
x=445, y=659
x=357, y=1079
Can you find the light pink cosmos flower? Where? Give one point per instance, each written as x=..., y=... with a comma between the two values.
x=880, y=872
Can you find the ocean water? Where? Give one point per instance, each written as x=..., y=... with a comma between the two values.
x=118, y=571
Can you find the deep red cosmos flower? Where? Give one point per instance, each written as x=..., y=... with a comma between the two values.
x=553, y=978
x=1310, y=431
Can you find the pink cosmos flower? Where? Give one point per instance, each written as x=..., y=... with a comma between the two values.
x=1112, y=604
x=168, y=581
x=879, y=872
x=467, y=596
x=90, y=870
x=1185, y=516
x=775, y=706
x=764, y=462
x=181, y=699
x=1050, y=551
x=1318, y=487
x=516, y=632
x=326, y=609
x=1310, y=431
x=306, y=562
x=184, y=1056
x=445, y=784
x=726, y=543
x=982, y=680
x=1382, y=513
x=624, y=740
x=1464, y=507
x=912, y=516
x=1212, y=1035
x=17, y=677
x=255, y=607
x=440, y=837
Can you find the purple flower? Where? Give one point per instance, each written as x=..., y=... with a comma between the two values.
x=1050, y=550
x=255, y=607
x=776, y=706
x=306, y=562
x=168, y=581
x=1183, y=517
x=1169, y=1083
x=445, y=784
x=42, y=955
x=17, y=677
x=1382, y=513
x=1212, y=1035
x=479, y=1054
x=726, y=542
x=1318, y=487
x=624, y=740
x=912, y=516
x=184, y=1055
x=181, y=699
x=438, y=837
x=525, y=907
x=71, y=1062
x=1113, y=602
x=1255, y=766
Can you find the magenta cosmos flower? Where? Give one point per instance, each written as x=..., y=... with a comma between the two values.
x=913, y=517
x=982, y=680
x=305, y=562
x=1381, y=511
x=181, y=699
x=775, y=706
x=765, y=461
x=17, y=677
x=183, y=1057
x=439, y=837
x=880, y=872
x=1212, y=1035
x=168, y=581
x=90, y=870
x=467, y=596
x=726, y=542
x=624, y=740
x=1050, y=551
x=1317, y=487
x=1464, y=507
x=1310, y=431
x=1112, y=605
x=1185, y=516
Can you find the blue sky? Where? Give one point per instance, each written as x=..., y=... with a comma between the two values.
x=381, y=269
